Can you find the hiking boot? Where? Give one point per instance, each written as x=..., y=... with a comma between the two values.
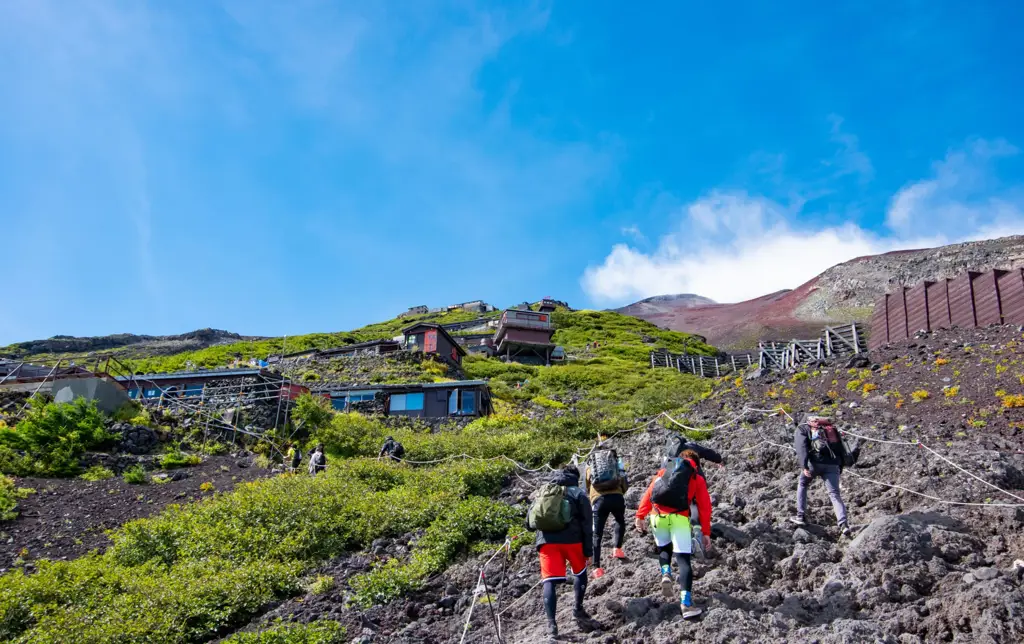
x=844, y=530
x=598, y=573
x=618, y=553
x=668, y=587
x=553, y=631
x=798, y=520
x=585, y=622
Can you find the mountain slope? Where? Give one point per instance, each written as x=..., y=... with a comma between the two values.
x=844, y=293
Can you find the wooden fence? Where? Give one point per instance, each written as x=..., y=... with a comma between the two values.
x=834, y=341
x=972, y=299
x=704, y=366
x=771, y=354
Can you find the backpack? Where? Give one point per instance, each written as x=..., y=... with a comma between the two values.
x=829, y=439
x=672, y=489
x=321, y=460
x=604, y=471
x=674, y=446
x=397, y=450
x=551, y=512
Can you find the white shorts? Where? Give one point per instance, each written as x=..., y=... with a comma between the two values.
x=674, y=529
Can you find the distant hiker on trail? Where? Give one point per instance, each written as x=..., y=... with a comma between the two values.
x=317, y=460
x=293, y=458
x=821, y=452
x=562, y=517
x=392, y=449
x=667, y=501
x=605, y=482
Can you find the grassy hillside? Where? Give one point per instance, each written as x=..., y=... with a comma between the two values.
x=242, y=550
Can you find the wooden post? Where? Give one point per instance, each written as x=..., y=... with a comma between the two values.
x=733, y=363
x=702, y=366
x=856, y=343
x=718, y=371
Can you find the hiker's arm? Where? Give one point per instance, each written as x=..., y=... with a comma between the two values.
x=703, y=500
x=800, y=445
x=587, y=514
x=645, y=502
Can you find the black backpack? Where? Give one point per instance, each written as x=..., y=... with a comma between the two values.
x=672, y=489
x=604, y=471
x=321, y=459
x=397, y=450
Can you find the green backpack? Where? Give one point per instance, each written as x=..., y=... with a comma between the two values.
x=551, y=511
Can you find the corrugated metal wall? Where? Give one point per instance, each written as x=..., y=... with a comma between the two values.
x=968, y=300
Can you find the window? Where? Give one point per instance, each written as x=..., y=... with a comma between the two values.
x=151, y=393
x=468, y=406
x=453, y=402
x=194, y=390
x=407, y=402
x=133, y=393
x=339, y=404
x=414, y=402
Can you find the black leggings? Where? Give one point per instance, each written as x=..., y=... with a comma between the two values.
x=682, y=560
x=579, y=587
x=615, y=505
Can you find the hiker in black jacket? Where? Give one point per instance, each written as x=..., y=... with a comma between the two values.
x=392, y=449
x=573, y=544
x=820, y=454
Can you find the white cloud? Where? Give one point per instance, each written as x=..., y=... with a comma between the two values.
x=848, y=159
x=732, y=246
x=633, y=231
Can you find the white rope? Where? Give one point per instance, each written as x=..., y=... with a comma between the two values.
x=521, y=598
x=971, y=474
x=935, y=498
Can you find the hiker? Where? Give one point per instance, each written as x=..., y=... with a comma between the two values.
x=563, y=520
x=676, y=444
x=606, y=483
x=821, y=452
x=667, y=502
x=392, y=449
x=294, y=458
x=317, y=460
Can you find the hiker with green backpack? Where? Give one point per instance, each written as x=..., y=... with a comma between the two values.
x=563, y=520
x=606, y=483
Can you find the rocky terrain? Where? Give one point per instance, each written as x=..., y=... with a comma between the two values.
x=936, y=553
x=131, y=345
x=844, y=293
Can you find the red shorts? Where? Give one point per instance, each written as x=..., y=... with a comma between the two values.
x=554, y=555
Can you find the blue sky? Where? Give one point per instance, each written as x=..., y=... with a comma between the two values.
x=273, y=168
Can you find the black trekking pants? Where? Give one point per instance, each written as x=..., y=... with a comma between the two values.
x=613, y=504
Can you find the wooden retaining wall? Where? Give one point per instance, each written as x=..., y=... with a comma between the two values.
x=972, y=299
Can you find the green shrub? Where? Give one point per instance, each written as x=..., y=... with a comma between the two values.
x=135, y=475
x=264, y=461
x=474, y=518
x=544, y=401
x=319, y=585
x=9, y=495
x=175, y=459
x=319, y=632
x=97, y=473
x=305, y=518
x=94, y=600
x=53, y=437
x=312, y=413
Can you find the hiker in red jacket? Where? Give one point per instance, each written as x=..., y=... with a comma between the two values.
x=667, y=502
